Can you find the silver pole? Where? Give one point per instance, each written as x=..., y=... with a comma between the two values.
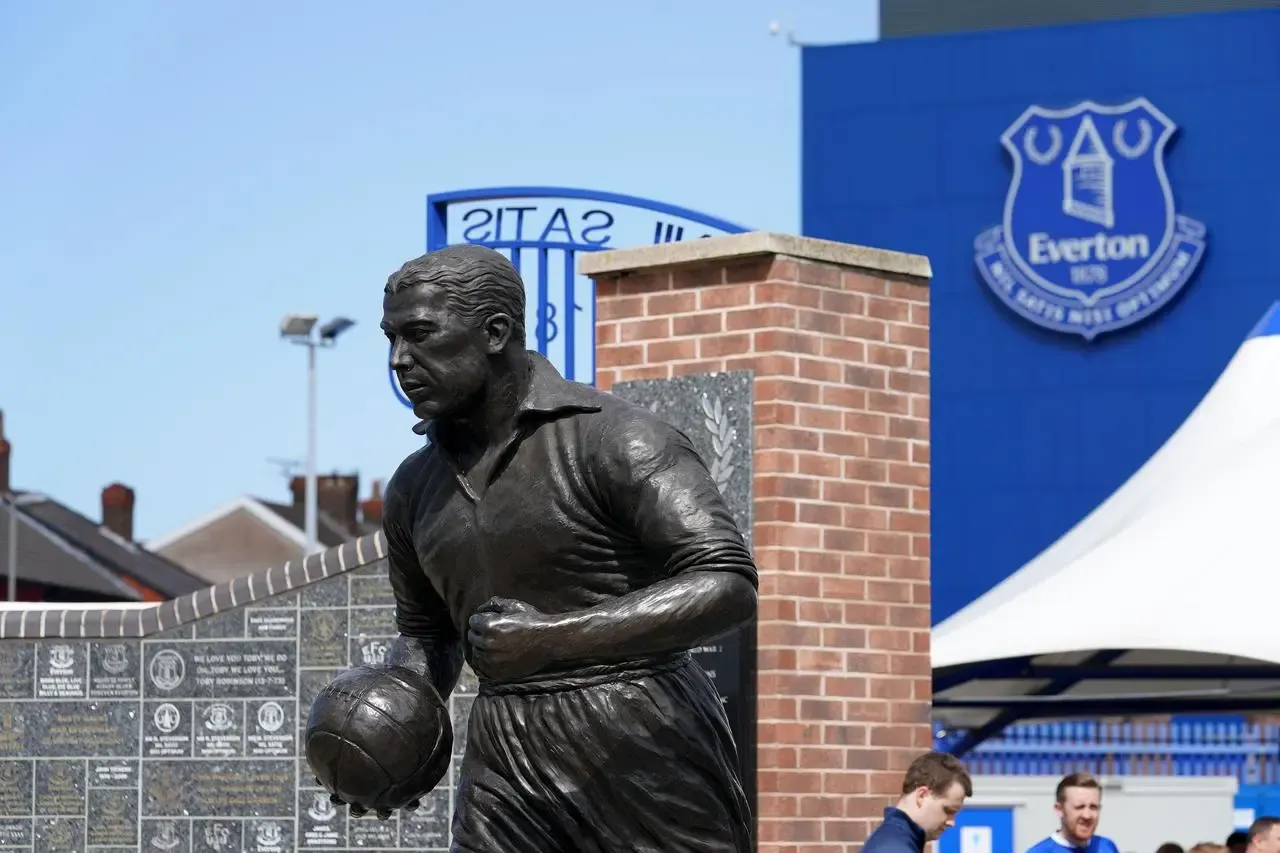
x=312, y=417
x=12, y=557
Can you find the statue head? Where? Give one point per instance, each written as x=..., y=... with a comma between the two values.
x=454, y=316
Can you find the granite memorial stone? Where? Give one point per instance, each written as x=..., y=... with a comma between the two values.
x=176, y=728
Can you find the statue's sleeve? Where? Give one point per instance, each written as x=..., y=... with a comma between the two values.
x=420, y=611
x=658, y=490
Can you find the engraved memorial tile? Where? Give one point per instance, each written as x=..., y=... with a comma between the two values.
x=370, y=833
x=60, y=788
x=113, y=774
x=113, y=671
x=209, y=788
x=273, y=624
x=224, y=626
x=162, y=787
x=17, y=670
x=371, y=592
x=166, y=729
x=270, y=729
x=331, y=592
x=326, y=639
x=217, y=836
x=166, y=836
x=60, y=670
x=16, y=730
x=15, y=788
x=59, y=835
x=428, y=827
x=226, y=669
x=15, y=833
x=113, y=819
x=100, y=728
x=219, y=730
x=373, y=622
x=320, y=823
x=269, y=836
x=369, y=651
x=310, y=683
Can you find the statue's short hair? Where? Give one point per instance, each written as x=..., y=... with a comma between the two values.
x=479, y=283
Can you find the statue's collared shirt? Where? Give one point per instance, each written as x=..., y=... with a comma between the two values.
x=594, y=498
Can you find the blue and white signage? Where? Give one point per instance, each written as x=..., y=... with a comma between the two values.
x=1091, y=240
x=542, y=230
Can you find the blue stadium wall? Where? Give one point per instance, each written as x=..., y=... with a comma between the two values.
x=1032, y=429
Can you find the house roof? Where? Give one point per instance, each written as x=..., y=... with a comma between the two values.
x=285, y=519
x=328, y=531
x=46, y=556
x=113, y=551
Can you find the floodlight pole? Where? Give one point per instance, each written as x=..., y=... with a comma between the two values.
x=310, y=523
x=301, y=329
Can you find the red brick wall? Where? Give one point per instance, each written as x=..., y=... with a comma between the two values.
x=841, y=359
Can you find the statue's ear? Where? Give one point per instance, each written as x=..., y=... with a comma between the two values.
x=497, y=331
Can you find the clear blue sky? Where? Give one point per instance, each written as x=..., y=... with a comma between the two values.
x=176, y=176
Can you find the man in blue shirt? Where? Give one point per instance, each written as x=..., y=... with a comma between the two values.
x=1263, y=836
x=933, y=792
x=1078, y=806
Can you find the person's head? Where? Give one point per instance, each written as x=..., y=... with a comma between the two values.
x=1078, y=804
x=1208, y=847
x=1170, y=847
x=934, y=791
x=448, y=315
x=1264, y=835
x=1237, y=841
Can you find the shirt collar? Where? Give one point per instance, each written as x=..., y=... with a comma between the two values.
x=548, y=393
x=1062, y=840
x=897, y=815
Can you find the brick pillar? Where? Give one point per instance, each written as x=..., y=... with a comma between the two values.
x=838, y=339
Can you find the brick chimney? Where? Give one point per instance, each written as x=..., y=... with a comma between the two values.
x=371, y=509
x=6, y=452
x=117, y=510
x=337, y=496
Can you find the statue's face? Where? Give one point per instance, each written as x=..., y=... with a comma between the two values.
x=439, y=358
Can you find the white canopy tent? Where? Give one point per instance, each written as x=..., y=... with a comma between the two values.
x=1138, y=608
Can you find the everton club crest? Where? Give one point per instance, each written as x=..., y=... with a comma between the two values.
x=1091, y=240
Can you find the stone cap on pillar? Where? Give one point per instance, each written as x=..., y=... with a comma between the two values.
x=754, y=244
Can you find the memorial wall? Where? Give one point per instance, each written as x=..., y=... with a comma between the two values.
x=177, y=728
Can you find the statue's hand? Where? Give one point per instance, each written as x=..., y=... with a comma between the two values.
x=358, y=811
x=508, y=639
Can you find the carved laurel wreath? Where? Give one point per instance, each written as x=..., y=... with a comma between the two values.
x=723, y=436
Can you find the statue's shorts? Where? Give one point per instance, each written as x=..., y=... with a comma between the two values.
x=622, y=759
